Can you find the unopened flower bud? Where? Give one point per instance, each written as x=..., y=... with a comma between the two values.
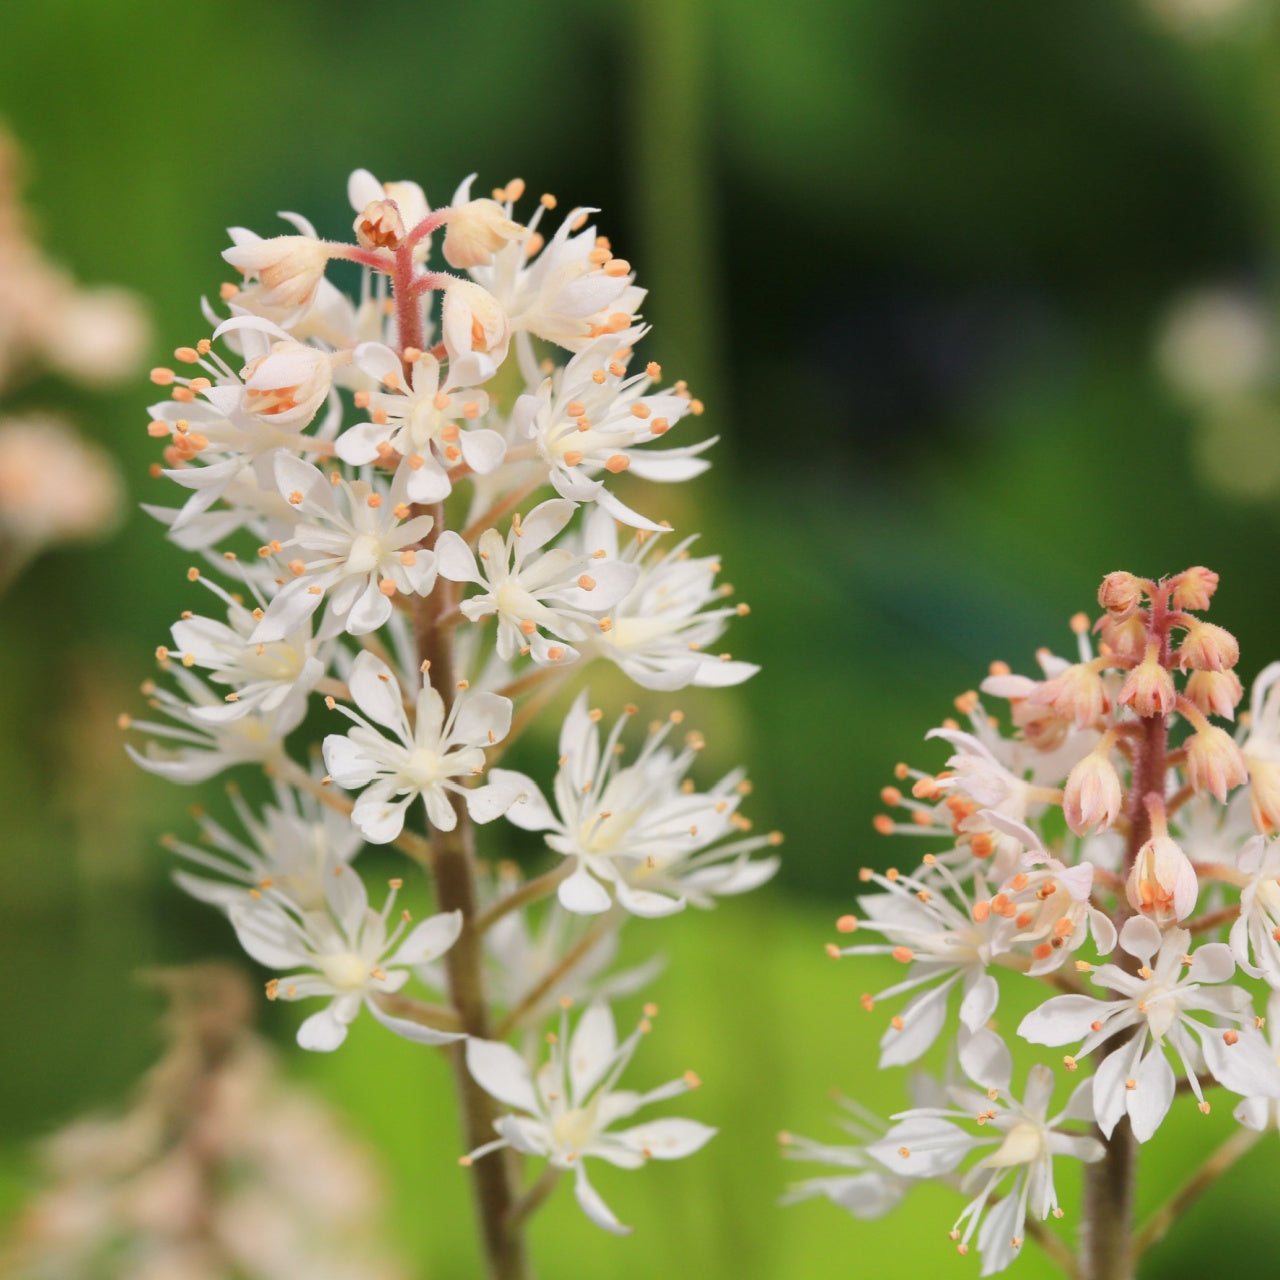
x=1162, y=884
x=290, y=267
x=1148, y=688
x=1215, y=693
x=1214, y=762
x=288, y=384
x=1093, y=796
x=476, y=331
x=476, y=231
x=379, y=225
x=1120, y=593
x=1207, y=647
x=1264, y=793
x=1195, y=588
x=1125, y=637
x=1078, y=694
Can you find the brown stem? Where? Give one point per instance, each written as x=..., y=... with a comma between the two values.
x=494, y=1179
x=436, y=1016
x=530, y=891
x=1213, y=919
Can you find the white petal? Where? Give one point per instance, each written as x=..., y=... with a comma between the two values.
x=1140, y=937
x=501, y=1072
x=591, y=1049
x=594, y=1207
x=454, y=559
x=379, y=820
x=263, y=935
x=1150, y=1099
x=428, y=940
x=979, y=1002
x=986, y=1059
x=922, y=1020
x=646, y=903
x=1061, y=1019
x=482, y=450
x=1212, y=962
x=413, y=1031
x=525, y=806
x=482, y=719
x=544, y=522
x=668, y=1139
x=583, y=894
x=322, y=1032
x=347, y=763
x=376, y=691
x=1109, y=1093
x=933, y=1147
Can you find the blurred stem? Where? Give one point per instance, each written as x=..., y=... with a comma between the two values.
x=1154, y=1229
x=531, y=891
x=493, y=1179
x=673, y=199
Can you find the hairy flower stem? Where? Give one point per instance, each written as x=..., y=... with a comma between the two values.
x=494, y=1177
x=1106, y=1247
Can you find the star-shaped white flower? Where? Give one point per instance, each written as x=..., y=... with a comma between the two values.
x=566, y=1110
x=428, y=758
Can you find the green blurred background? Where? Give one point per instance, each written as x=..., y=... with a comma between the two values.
x=915, y=256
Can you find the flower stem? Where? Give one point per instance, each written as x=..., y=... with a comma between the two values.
x=493, y=1180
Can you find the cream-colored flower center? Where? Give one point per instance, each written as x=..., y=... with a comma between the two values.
x=346, y=970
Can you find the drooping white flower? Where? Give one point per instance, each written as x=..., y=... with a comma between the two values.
x=1253, y=939
x=565, y=1111
x=363, y=189
x=926, y=1142
x=288, y=851
x=475, y=330
x=361, y=548
x=261, y=676
x=659, y=633
x=556, y=591
x=345, y=951
x=428, y=758
x=204, y=744
x=1158, y=1007
x=424, y=428
x=591, y=419
x=634, y=832
x=289, y=268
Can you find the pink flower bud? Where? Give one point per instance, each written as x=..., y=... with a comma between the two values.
x=290, y=267
x=1214, y=762
x=476, y=231
x=1120, y=593
x=1162, y=884
x=1125, y=637
x=1148, y=688
x=1207, y=647
x=1077, y=693
x=1093, y=796
x=1195, y=588
x=379, y=225
x=1215, y=693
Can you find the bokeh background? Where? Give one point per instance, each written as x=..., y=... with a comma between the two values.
x=983, y=301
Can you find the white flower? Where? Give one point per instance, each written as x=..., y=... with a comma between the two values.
x=660, y=631
x=476, y=231
x=424, y=760
x=363, y=551
x=567, y=1108
x=347, y=952
x=289, y=267
x=363, y=189
x=1262, y=1113
x=289, y=851
x=926, y=1143
x=475, y=332
x=1158, y=1003
x=427, y=426
x=532, y=593
x=1253, y=939
x=261, y=676
x=571, y=291
x=591, y=418
x=634, y=832
x=1261, y=749
x=207, y=746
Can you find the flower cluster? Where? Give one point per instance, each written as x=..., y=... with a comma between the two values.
x=407, y=507
x=1103, y=815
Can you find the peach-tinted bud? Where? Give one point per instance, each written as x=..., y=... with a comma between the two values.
x=1041, y=727
x=1162, y=884
x=290, y=267
x=475, y=329
x=1264, y=793
x=1195, y=588
x=1125, y=637
x=1148, y=688
x=1093, y=796
x=1078, y=694
x=1214, y=762
x=1120, y=593
x=476, y=231
x=1207, y=647
x=288, y=384
x=1215, y=693
x=379, y=225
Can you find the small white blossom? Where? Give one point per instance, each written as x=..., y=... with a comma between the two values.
x=1158, y=1003
x=566, y=1110
x=1253, y=937
x=346, y=951
x=531, y=593
x=634, y=832
x=427, y=759
x=361, y=551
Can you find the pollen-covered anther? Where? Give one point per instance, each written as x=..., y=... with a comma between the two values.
x=1069, y=1062
x=903, y=955
x=1230, y=1037
x=617, y=463
x=847, y=924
